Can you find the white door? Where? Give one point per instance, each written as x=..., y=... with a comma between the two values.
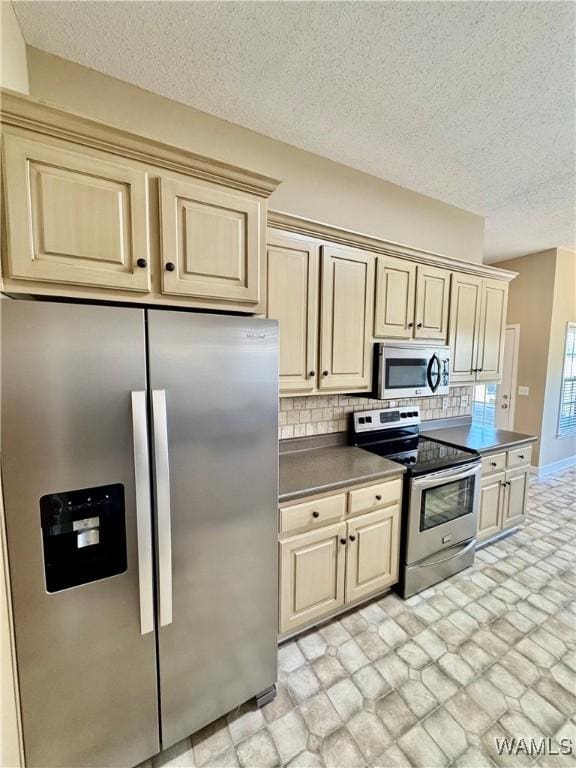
x=506, y=390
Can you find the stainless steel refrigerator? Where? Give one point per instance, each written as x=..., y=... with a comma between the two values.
x=139, y=465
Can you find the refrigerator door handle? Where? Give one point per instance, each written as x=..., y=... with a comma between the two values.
x=162, y=483
x=143, y=511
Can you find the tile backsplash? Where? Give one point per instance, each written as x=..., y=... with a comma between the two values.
x=321, y=414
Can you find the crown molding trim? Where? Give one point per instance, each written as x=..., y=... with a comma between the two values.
x=326, y=232
x=31, y=114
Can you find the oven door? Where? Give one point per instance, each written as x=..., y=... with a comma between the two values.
x=442, y=510
x=410, y=372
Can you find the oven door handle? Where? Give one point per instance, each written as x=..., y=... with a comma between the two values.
x=461, y=551
x=433, y=385
x=429, y=481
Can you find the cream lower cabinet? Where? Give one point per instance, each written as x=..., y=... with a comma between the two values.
x=411, y=300
x=338, y=557
x=491, y=498
x=504, y=489
x=372, y=556
x=514, y=507
x=312, y=568
x=477, y=324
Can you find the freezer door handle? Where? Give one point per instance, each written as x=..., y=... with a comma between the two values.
x=162, y=484
x=143, y=511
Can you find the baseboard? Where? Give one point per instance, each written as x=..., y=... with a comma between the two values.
x=555, y=466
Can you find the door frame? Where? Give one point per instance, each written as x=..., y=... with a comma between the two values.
x=514, y=383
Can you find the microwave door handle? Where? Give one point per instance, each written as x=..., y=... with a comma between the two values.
x=143, y=511
x=434, y=362
x=162, y=482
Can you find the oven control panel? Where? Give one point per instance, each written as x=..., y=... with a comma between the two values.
x=385, y=418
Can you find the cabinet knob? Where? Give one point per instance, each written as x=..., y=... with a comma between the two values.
x=342, y=541
x=478, y=370
x=315, y=513
x=378, y=497
x=325, y=373
x=352, y=538
x=419, y=325
x=493, y=464
x=409, y=325
x=142, y=263
x=311, y=373
x=521, y=456
x=170, y=266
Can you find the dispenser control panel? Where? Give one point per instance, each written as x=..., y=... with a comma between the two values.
x=84, y=535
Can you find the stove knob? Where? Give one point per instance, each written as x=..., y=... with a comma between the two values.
x=403, y=415
x=413, y=459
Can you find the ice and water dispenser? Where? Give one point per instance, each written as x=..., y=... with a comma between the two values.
x=84, y=535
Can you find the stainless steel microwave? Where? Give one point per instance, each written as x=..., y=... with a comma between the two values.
x=411, y=370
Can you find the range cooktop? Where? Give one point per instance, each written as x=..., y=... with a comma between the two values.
x=394, y=434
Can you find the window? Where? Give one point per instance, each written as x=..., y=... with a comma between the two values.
x=484, y=405
x=567, y=415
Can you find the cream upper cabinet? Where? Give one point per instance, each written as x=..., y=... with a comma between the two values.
x=312, y=571
x=373, y=546
x=432, y=300
x=477, y=323
x=395, y=296
x=292, y=298
x=492, y=326
x=79, y=219
x=346, y=319
x=464, y=326
x=411, y=300
x=212, y=240
x=491, y=500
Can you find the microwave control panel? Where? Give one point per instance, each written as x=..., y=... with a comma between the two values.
x=83, y=535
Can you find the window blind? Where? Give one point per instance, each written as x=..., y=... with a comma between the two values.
x=567, y=415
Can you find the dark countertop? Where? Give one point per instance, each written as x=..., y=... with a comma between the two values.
x=476, y=438
x=318, y=470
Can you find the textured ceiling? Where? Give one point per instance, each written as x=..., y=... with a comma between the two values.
x=469, y=102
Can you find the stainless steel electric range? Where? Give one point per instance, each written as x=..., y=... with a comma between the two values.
x=440, y=498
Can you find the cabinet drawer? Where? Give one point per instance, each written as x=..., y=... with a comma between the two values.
x=519, y=456
x=310, y=514
x=494, y=463
x=375, y=496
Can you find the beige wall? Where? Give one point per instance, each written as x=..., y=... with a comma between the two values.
x=312, y=186
x=13, y=63
x=553, y=448
x=542, y=300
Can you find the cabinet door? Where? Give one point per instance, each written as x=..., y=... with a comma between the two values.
x=491, y=498
x=292, y=299
x=346, y=319
x=74, y=218
x=312, y=569
x=465, y=304
x=373, y=548
x=432, y=298
x=395, y=292
x=515, y=498
x=492, y=325
x=212, y=241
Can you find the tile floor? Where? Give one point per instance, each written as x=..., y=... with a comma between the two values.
x=432, y=681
